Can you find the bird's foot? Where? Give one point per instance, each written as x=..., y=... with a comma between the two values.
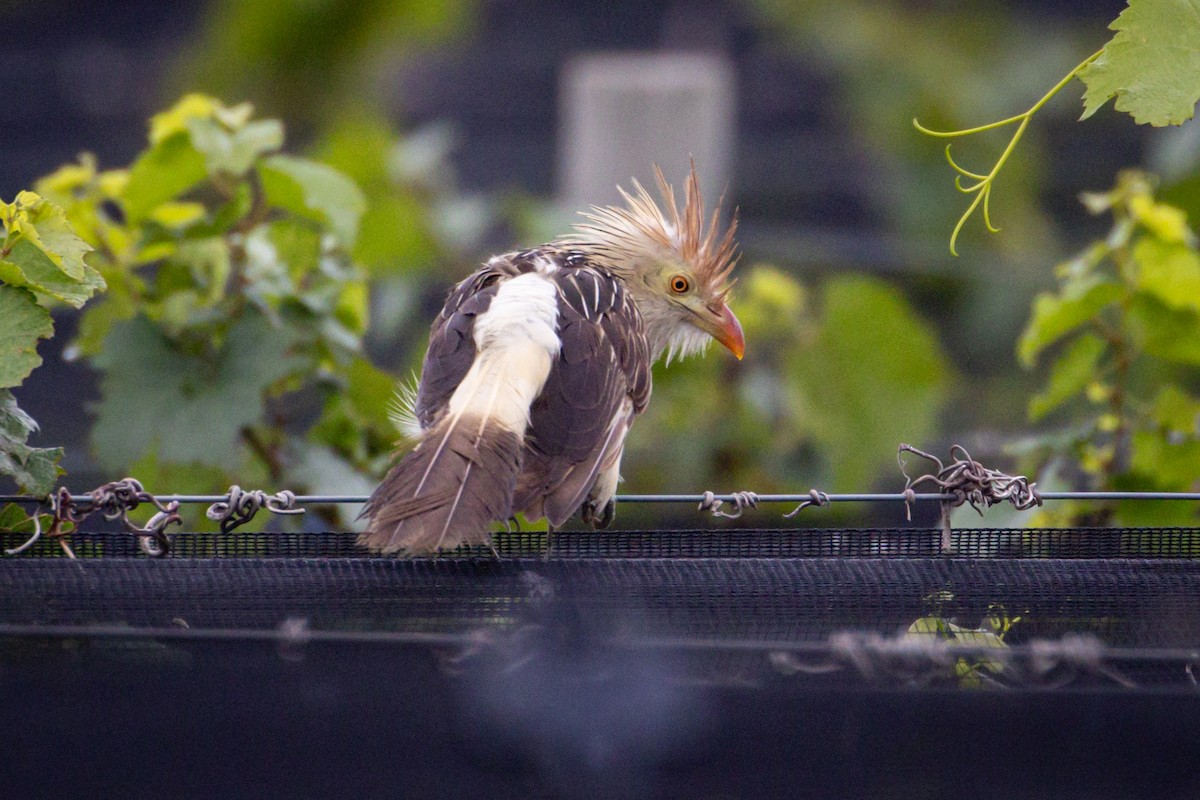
x=598, y=521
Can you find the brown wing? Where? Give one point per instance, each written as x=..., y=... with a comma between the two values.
x=451, y=340
x=600, y=381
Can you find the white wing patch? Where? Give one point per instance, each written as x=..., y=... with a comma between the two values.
x=516, y=343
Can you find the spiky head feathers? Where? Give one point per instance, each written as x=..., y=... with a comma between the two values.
x=642, y=232
x=676, y=262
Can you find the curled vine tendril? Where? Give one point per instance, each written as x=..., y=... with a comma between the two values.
x=982, y=186
x=740, y=501
x=241, y=506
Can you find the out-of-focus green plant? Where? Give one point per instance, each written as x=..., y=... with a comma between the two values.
x=230, y=341
x=823, y=395
x=43, y=263
x=312, y=61
x=1124, y=326
x=1151, y=66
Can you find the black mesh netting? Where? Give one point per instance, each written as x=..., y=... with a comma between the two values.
x=1130, y=588
x=728, y=663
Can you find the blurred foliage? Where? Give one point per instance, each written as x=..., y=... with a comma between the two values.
x=825, y=395
x=312, y=60
x=1124, y=330
x=890, y=62
x=973, y=672
x=247, y=287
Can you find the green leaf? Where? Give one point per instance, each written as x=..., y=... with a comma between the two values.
x=1056, y=315
x=234, y=152
x=1071, y=373
x=1169, y=271
x=29, y=266
x=1170, y=334
x=164, y=172
x=35, y=469
x=191, y=409
x=895, y=390
x=166, y=124
x=22, y=323
x=1175, y=410
x=44, y=225
x=1172, y=465
x=1152, y=65
x=315, y=191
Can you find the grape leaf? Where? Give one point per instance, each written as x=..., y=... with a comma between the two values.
x=190, y=409
x=44, y=225
x=1152, y=65
x=35, y=469
x=234, y=152
x=1073, y=370
x=1056, y=315
x=1169, y=271
x=22, y=323
x=162, y=173
x=1164, y=332
x=315, y=191
x=29, y=266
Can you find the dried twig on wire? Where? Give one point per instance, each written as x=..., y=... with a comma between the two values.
x=969, y=482
x=815, y=498
x=114, y=500
x=740, y=500
x=240, y=506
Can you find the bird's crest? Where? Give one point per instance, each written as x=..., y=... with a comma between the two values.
x=623, y=236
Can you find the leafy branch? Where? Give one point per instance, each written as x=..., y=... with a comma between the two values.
x=1151, y=66
x=982, y=188
x=1127, y=315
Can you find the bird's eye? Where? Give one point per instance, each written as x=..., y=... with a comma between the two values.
x=679, y=284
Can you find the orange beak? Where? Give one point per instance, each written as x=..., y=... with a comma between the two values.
x=729, y=333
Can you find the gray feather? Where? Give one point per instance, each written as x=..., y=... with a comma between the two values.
x=446, y=492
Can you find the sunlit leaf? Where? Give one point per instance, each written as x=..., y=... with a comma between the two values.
x=164, y=172
x=1170, y=271
x=1152, y=64
x=44, y=225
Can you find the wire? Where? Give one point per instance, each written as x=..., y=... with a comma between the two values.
x=897, y=497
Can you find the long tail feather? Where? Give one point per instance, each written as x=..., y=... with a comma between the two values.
x=423, y=506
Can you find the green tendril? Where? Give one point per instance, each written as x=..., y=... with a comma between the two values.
x=982, y=188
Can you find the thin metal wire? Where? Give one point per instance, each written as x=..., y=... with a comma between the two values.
x=897, y=497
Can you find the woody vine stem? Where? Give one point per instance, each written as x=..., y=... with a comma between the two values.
x=982, y=187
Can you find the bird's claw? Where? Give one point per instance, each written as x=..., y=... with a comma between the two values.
x=588, y=513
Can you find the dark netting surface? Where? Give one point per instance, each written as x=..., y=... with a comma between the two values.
x=1130, y=588
x=1060, y=543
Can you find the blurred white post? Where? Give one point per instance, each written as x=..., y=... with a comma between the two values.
x=622, y=113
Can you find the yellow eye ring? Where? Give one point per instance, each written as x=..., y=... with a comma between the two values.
x=679, y=284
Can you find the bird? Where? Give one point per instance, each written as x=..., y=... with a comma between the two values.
x=539, y=363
